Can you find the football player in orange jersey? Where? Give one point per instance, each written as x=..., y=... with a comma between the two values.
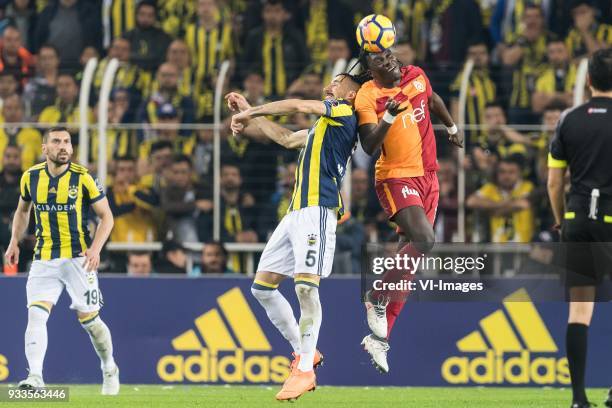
x=394, y=115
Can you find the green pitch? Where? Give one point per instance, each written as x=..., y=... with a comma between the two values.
x=153, y=396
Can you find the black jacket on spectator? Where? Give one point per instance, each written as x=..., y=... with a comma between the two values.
x=89, y=16
x=154, y=53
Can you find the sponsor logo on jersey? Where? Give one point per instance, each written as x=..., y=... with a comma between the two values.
x=407, y=191
x=52, y=190
x=512, y=346
x=416, y=116
x=216, y=352
x=55, y=207
x=597, y=110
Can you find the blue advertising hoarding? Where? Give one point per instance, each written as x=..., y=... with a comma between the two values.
x=192, y=331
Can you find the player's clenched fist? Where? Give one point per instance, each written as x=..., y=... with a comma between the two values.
x=12, y=254
x=394, y=107
x=239, y=122
x=236, y=102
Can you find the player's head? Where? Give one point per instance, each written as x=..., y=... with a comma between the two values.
x=600, y=70
x=343, y=86
x=383, y=66
x=57, y=145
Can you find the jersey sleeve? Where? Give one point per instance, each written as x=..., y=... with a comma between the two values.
x=25, y=187
x=557, y=158
x=92, y=189
x=365, y=106
x=337, y=110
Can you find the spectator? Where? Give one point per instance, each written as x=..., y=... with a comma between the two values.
x=169, y=122
x=238, y=218
x=139, y=264
x=524, y=54
x=364, y=204
x=253, y=85
x=323, y=20
x=23, y=16
x=277, y=206
x=117, y=19
x=445, y=227
x=278, y=52
x=14, y=58
x=337, y=49
x=128, y=76
x=506, y=201
x=168, y=93
x=10, y=176
x=8, y=86
x=132, y=206
x=70, y=26
x=210, y=30
x=507, y=19
x=451, y=26
x=203, y=153
x=178, y=55
x=350, y=238
x=557, y=80
x=160, y=157
x=182, y=199
x=27, y=138
x=173, y=258
x=498, y=135
x=66, y=107
x=148, y=43
x=40, y=90
x=309, y=85
x=587, y=34
x=214, y=258
x=481, y=91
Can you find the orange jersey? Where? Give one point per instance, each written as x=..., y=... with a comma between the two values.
x=409, y=149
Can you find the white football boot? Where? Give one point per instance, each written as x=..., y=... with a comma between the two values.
x=33, y=382
x=376, y=312
x=110, y=384
x=377, y=349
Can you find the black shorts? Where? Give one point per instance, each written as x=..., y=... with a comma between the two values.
x=586, y=249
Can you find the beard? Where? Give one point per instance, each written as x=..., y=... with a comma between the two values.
x=60, y=158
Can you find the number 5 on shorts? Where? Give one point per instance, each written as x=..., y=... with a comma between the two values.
x=310, y=257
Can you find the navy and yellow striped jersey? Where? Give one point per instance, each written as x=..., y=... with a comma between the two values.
x=61, y=206
x=323, y=160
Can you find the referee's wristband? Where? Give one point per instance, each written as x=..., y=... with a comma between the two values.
x=452, y=130
x=389, y=118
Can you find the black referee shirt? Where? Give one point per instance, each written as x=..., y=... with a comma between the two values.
x=583, y=140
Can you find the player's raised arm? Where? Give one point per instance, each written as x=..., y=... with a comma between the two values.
x=20, y=224
x=373, y=135
x=263, y=129
x=437, y=106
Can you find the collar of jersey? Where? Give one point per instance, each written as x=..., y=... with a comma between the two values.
x=59, y=175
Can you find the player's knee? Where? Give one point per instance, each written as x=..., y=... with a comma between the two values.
x=307, y=294
x=88, y=320
x=581, y=312
x=263, y=290
x=423, y=240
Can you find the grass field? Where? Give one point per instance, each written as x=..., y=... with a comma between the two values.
x=133, y=396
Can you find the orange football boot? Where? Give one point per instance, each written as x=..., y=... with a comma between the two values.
x=298, y=384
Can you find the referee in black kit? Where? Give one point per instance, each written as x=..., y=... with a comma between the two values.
x=583, y=142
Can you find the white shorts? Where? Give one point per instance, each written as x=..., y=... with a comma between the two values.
x=47, y=279
x=303, y=242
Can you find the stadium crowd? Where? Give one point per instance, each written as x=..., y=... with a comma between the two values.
x=170, y=52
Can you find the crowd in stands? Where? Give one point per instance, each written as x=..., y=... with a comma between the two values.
x=160, y=183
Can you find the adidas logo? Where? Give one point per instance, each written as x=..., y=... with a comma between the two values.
x=515, y=347
x=228, y=345
x=52, y=190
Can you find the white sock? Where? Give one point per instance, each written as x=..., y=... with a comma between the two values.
x=36, y=339
x=310, y=323
x=101, y=339
x=280, y=314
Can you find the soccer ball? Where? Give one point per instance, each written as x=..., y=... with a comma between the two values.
x=375, y=33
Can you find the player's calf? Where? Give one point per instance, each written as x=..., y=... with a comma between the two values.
x=36, y=339
x=100, y=336
x=307, y=290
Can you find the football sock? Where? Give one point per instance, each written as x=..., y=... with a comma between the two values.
x=576, y=345
x=36, y=338
x=310, y=321
x=101, y=339
x=279, y=312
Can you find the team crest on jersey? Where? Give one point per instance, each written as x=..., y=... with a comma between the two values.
x=312, y=239
x=91, y=277
x=419, y=86
x=73, y=192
